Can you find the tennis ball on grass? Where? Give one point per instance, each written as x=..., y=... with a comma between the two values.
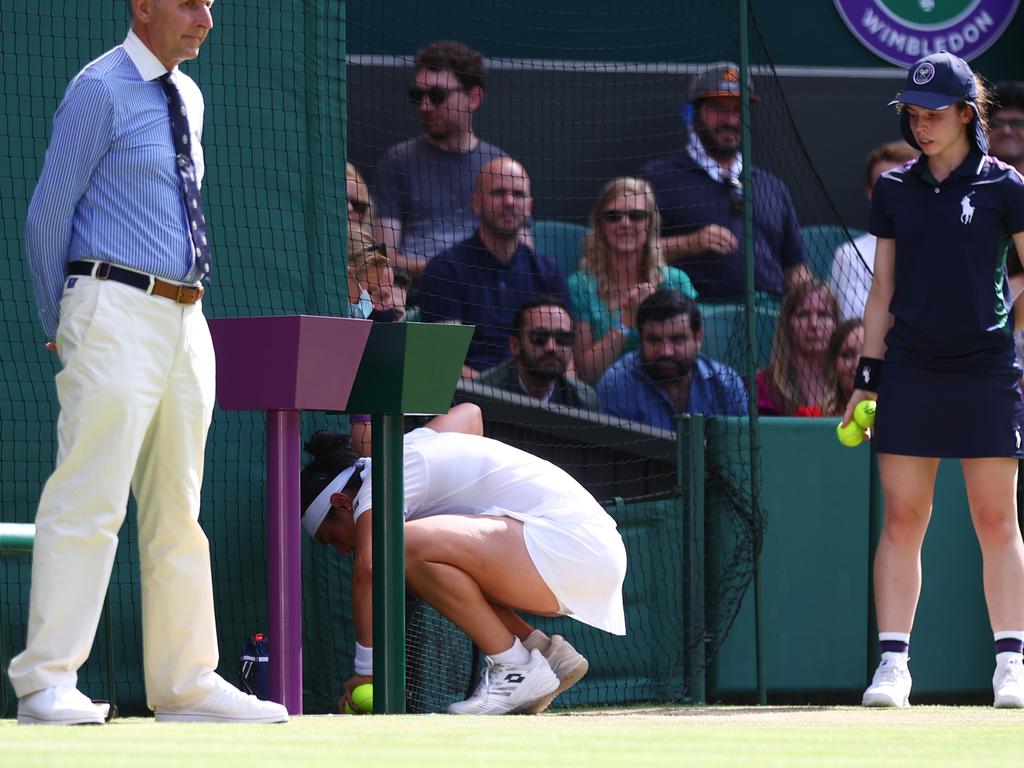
x=864, y=414
x=362, y=700
x=850, y=435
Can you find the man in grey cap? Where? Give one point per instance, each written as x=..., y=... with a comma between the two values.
x=701, y=198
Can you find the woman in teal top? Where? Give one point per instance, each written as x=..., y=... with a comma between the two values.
x=622, y=265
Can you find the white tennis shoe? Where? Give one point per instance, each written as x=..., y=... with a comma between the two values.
x=509, y=689
x=890, y=687
x=568, y=664
x=60, y=705
x=226, y=704
x=1008, y=685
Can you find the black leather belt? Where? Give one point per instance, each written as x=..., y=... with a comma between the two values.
x=103, y=270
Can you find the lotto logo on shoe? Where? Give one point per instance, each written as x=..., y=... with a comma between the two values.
x=514, y=677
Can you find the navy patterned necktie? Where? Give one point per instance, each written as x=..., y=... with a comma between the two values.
x=187, y=170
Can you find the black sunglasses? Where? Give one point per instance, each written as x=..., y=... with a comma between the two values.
x=616, y=216
x=436, y=94
x=540, y=337
x=359, y=206
x=995, y=123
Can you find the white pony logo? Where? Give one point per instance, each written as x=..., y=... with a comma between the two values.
x=966, y=209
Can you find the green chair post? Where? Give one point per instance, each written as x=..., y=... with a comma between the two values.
x=406, y=368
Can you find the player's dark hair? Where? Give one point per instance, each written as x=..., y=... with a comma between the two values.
x=540, y=300
x=666, y=303
x=332, y=452
x=466, y=64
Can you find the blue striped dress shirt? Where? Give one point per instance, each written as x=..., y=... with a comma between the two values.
x=110, y=189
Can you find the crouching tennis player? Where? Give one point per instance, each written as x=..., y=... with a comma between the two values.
x=489, y=530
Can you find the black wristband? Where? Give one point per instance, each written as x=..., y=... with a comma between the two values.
x=869, y=373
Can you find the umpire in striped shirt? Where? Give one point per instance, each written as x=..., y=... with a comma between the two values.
x=116, y=244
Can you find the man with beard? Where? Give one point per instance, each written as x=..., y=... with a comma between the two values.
x=668, y=375
x=541, y=344
x=701, y=198
x=424, y=185
x=483, y=280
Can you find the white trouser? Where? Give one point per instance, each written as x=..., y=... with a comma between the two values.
x=136, y=396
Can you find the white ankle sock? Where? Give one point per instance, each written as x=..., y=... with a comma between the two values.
x=517, y=654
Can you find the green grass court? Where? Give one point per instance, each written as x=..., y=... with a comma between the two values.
x=661, y=736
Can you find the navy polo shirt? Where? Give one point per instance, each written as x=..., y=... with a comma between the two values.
x=468, y=284
x=951, y=300
x=688, y=199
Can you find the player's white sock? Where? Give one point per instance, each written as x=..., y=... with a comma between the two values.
x=517, y=654
x=1009, y=645
x=894, y=645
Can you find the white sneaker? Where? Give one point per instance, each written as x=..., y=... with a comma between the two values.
x=508, y=689
x=1008, y=685
x=60, y=705
x=890, y=687
x=566, y=662
x=226, y=704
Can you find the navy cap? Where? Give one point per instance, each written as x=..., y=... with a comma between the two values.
x=936, y=82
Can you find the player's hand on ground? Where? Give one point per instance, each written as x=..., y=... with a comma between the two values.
x=350, y=685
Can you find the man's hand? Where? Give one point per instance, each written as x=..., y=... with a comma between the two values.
x=716, y=238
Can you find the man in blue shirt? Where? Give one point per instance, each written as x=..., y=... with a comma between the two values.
x=700, y=198
x=668, y=375
x=116, y=244
x=482, y=281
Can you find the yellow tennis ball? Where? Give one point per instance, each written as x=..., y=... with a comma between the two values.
x=850, y=435
x=349, y=711
x=362, y=698
x=864, y=414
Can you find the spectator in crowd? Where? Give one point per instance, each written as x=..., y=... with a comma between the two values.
x=482, y=281
x=541, y=344
x=424, y=185
x=850, y=276
x=668, y=375
x=701, y=200
x=371, y=280
x=1006, y=125
x=489, y=531
x=360, y=203
x=1006, y=142
x=622, y=265
x=844, y=349
x=795, y=381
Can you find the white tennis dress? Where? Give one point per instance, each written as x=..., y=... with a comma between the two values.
x=572, y=541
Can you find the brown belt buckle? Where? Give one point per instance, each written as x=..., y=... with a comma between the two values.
x=189, y=294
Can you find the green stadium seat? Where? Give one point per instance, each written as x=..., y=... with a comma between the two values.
x=724, y=332
x=561, y=240
x=821, y=241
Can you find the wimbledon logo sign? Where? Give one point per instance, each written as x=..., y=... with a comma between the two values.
x=902, y=31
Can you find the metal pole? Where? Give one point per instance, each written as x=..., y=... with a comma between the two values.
x=690, y=444
x=388, y=564
x=748, y=248
x=284, y=559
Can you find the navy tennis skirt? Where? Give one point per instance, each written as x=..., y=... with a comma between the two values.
x=949, y=414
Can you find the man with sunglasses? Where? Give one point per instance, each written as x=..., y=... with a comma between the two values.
x=668, y=375
x=541, y=344
x=1006, y=142
x=424, y=185
x=701, y=200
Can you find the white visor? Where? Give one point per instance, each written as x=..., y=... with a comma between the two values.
x=314, y=514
